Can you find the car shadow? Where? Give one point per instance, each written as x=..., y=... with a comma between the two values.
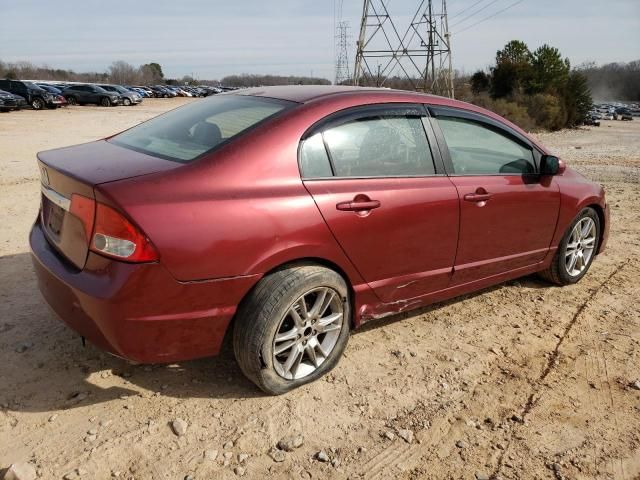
x=44, y=366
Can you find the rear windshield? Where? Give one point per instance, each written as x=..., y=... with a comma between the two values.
x=186, y=133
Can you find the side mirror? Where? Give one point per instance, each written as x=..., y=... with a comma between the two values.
x=551, y=165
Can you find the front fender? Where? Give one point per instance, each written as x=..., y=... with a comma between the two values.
x=577, y=193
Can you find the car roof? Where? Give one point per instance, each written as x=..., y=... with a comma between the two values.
x=344, y=96
x=308, y=93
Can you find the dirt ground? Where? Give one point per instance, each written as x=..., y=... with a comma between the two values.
x=523, y=380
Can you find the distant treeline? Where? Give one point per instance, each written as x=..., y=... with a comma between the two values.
x=118, y=72
x=251, y=80
x=124, y=73
x=613, y=81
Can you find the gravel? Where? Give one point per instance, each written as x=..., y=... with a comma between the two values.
x=179, y=427
x=322, y=456
x=291, y=442
x=406, y=435
x=276, y=455
x=20, y=471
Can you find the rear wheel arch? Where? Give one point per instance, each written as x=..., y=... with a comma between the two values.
x=303, y=262
x=328, y=264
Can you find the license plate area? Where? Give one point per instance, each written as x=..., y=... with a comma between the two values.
x=52, y=218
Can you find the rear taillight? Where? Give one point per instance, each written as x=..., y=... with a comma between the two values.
x=85, y=209
x=110, y=233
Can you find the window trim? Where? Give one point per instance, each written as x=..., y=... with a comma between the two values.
x=489, y=123
x=351, y=114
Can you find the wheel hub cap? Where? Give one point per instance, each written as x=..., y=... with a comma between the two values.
x=308, y=333
x=580, y=247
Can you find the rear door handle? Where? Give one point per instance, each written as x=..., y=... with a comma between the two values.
x=358, y=205
x=477, y=197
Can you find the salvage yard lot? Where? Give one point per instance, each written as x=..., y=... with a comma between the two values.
x=522, y=380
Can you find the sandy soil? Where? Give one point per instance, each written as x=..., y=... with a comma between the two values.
x=522, y=380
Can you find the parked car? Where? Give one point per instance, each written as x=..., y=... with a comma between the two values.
x=7, y=102
x=20, y=101
x=592, y=120
x=160, y=92
x=166, y=92
x=624, y=114
x=59, y=100
x=293, y=215
x=34, y=95
x=142, y=92
x=147, y=91
x=128, y=97
x=83, y=94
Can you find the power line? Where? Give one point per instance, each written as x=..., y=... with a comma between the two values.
x=465, y=10
x=490, y=16
x=474, y=13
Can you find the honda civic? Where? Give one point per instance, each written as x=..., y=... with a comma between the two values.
x=286, y=217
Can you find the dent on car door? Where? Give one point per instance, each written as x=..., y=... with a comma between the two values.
x=508, y=212
x=385, y=198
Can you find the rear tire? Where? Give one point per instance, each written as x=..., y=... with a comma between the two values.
x=559, y=271
x=37, y=103
x=72, y=101
x=271, y=309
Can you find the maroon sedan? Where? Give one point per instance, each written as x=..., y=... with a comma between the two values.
x=295, y=214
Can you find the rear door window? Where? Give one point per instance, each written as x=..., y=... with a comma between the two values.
x=186, y=133
x=314, y=161
x=371, y=146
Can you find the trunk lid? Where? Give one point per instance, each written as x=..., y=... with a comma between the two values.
x=77, y=170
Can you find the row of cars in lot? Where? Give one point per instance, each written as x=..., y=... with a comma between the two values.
x=17, y=94
x=612, y=111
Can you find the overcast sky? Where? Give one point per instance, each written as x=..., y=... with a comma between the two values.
x=212, y=38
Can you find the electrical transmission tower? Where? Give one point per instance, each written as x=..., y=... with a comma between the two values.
x=419, y=59
x=342, y=53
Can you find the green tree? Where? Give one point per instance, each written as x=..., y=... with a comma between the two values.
x=577, y=98
x=512, y=71
x=151, y=74
x=156, y=68
x=480, y=82
x=516, y=51
x=550, y=70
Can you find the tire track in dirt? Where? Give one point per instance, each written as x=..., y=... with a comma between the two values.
x=553, y=361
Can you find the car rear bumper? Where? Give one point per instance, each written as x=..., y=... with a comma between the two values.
x=137, y=311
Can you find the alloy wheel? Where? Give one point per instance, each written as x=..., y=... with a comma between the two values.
x=580, y=247
x=308, y=333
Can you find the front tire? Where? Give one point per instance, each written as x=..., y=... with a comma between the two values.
x=37, y=103
x=126, y=102
x=292, y=328
x=576, y=251
x=105, y=102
